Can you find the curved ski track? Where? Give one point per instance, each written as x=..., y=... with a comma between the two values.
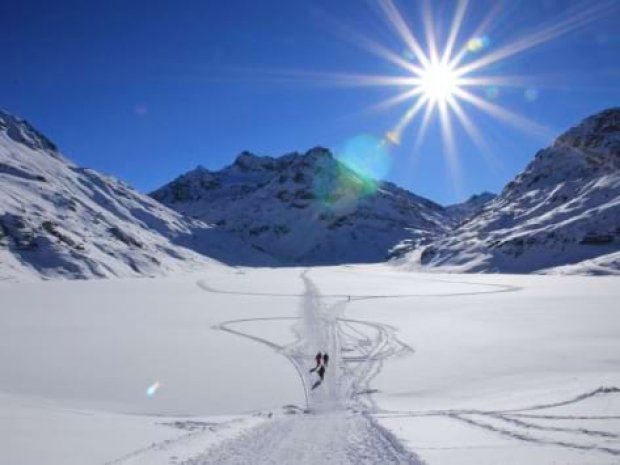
x=339, y=431
x=342, y=429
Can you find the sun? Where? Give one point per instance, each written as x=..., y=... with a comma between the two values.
x=445, y=73
x=438, y=82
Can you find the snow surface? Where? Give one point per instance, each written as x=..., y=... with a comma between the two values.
x=604, y=265
x=425, y=368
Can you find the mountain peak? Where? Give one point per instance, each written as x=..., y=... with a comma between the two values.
x=248, y=161
x=470, y=207
x=24, y=133
x=597, y=138
x=303, y=207
x=589, y=150
x=482, y=197
x=604, y=123
x=318, y=152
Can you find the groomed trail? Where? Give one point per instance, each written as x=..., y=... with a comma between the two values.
x=335, y=428
x=329, y=438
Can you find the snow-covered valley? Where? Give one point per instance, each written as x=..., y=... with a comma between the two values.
x=205, y=364
x=381, y=232
x=212, y=367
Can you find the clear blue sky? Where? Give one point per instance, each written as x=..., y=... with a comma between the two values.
x=148, y=90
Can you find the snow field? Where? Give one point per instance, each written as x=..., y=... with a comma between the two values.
x=424, y=367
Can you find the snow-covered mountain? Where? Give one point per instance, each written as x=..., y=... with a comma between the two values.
x=562, y=214
x=463, y=211
x=60, y=220
x=563, y=209
x=305, y=208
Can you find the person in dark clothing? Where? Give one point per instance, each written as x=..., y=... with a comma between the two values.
x=321, y=365
x=318, y=358
x=321, y=373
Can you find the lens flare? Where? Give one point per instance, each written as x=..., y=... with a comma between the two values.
x=152, y=389
x=492, y=92
x=361, y=163
x=531, y=94
x=366, y=155
x=443, y=76
x=477, y=44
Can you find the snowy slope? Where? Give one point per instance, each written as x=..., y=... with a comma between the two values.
x=60, y=220
x=463, y=211
x=433, y=368
x=305, y=208
x=457, y=214
x=563, y=209
x=608, y=264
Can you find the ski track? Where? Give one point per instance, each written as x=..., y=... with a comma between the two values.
x=495, y=289
x=334, y=438
x=337, y=425
x=362, y=347
x=520, y=426
x=197, y=432
x=523, y=435
x=339, y=431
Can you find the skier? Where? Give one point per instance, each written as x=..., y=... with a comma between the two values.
x=322, y=362
x=321, y=373
x=318, y=357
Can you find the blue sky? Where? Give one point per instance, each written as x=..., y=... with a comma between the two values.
x=148, y=90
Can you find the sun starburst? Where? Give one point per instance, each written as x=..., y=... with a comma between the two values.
x=444, y=79
x=438, y=81
x=443, y=76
